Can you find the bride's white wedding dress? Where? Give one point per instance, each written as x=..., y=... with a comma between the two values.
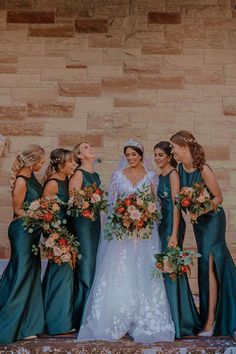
x=125, y=297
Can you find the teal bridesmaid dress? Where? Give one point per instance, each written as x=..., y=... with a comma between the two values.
x=58, y=283
x=87, y=233
x=21, y=301
x=183, y=309
x=209, y=232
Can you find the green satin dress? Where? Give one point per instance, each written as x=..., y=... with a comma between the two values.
x=183, y=309
x=21, y=301
x=87, y=233
x=209, y=232
x=58, y=283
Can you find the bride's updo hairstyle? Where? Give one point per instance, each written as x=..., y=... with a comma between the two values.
x=167, y=148
x=76, y=152
x=58, y=158
x=136, y=146
x=184, y=138
x=31, y=155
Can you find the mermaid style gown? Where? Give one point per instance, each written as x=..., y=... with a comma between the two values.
x=58, y=283
x=183, y=309
x=125, y=297
x=209, y=232
x=87, y=232
x=21, y=301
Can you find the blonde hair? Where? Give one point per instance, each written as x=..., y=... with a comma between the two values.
x=31, y=155
x=58, y=158
x=76, y=151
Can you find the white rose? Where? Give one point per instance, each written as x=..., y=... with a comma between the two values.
x=135, y=215
x=34, y=205
x=66, y=257
x=95, y=198
x=49, y=242
x=152, y=207
x=57, y=252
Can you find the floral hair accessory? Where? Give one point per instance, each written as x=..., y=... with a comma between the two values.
x=188, y=140
x=135, y=143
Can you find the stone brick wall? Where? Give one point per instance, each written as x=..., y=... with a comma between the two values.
x=108, y=70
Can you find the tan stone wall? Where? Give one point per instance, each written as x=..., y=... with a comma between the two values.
x=108, y=70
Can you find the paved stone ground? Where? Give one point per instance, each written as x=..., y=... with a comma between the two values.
x=66, y=344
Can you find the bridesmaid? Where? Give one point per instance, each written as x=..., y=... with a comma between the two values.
x=172, y=230
x=216, y=269
x=87, y=232
x=21, y=301
x=58, y=279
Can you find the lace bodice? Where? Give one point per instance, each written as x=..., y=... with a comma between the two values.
x=120, y=185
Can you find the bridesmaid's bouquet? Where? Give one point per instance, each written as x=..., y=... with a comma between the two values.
x=87, y=202
x=133, y=216
x=60, y=247
x=194, y=200
x=42, y=212
x=175, y=262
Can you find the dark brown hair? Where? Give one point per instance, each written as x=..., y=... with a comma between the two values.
x=183, y=138
x=167, y=148
x=135, y=148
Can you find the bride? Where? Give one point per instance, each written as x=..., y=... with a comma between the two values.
x=125, y=298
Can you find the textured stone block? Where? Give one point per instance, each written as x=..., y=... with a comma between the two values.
x=229, y=106
x=145, y=98
x=59, y=74
x=55, y=30
x=94, y=104
x=75, y=89
x=127, y=84
x=21, y=128
x=41, y=62
x=166, y=48
x=220, y=56
x=50, y=110
x=25, y=95
x=12, y=113
x=113, y=40
x=7, y=69
x=91, y=25
x=107, y=121
x=221, y=153
x=158, y=81
x=164, y=17
x=22, y=16
x=105, y=70
x=94, y=138
x=19, y=80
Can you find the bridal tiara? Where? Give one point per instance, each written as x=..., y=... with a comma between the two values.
x=135, y=143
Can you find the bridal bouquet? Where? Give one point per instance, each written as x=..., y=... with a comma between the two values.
x=60, y=247
x=133, y=216
x=194, y=200
x=42, y=212
x=175, y=262
x=87, y=202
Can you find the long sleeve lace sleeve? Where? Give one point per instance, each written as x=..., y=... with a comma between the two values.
x=113, y=190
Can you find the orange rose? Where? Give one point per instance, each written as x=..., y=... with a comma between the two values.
x=47, y=217
x=185, y=202
x=86, y=213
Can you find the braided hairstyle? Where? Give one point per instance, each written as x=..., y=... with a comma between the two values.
x=31, y=155
x=185, y=138
x=167, y=148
